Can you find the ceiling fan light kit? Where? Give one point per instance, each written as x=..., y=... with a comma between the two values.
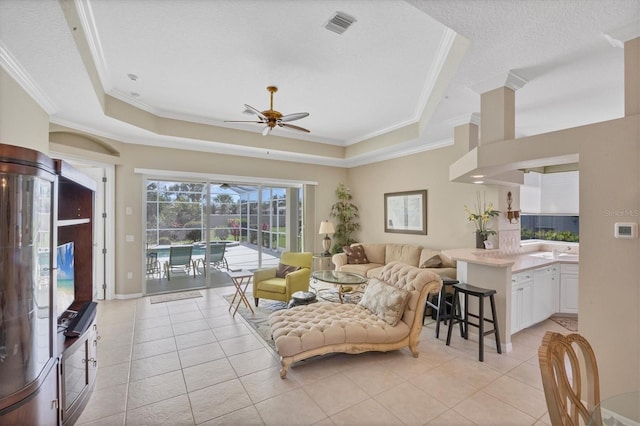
x=273, y=118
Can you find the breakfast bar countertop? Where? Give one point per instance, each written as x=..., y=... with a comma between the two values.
x=496, y=258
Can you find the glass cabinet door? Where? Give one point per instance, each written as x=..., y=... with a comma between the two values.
x=26, y=332
x=75, y=375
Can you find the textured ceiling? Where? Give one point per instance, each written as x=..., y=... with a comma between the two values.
x=200, y=61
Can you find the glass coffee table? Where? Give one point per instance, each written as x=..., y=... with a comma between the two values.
x=345, y=281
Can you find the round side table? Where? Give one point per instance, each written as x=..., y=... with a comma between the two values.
x=302, y=298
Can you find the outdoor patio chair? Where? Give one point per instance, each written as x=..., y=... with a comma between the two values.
x=216, y=257
x=153, y=266
x=179, y=257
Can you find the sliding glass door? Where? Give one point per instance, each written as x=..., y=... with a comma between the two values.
x=198, y=231
x=175, y=232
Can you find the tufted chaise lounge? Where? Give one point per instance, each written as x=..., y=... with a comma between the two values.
x=320, y=328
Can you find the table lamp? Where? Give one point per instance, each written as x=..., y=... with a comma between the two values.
x=326, y=228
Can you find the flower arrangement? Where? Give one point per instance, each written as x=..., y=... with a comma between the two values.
x=481, y=216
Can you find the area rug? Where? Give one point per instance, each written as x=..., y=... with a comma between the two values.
x=570, y=322
x=259, y=320
x=185, y=282
x=170, y=297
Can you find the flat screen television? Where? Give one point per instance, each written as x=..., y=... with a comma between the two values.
x=65, y=290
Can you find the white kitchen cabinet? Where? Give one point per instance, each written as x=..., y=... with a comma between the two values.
x=569, y=288
x=521, y=301
x=545, y=292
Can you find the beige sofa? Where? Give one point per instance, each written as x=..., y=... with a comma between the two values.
x=320, y=328
x=379, y=255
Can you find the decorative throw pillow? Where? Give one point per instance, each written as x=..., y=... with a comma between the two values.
x=432, y=262
x=384, y=300
x=284, y=270
x=355, y=255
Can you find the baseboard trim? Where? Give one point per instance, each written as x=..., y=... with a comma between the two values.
x=127, y=296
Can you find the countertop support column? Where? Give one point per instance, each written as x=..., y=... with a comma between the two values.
x=497, y=278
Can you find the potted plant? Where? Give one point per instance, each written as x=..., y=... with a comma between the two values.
x=481, y=217
x=346, y=214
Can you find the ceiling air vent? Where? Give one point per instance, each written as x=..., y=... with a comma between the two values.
x=340, y=22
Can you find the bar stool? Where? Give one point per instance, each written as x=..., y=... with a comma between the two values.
x=442, y=313
x=480, y=293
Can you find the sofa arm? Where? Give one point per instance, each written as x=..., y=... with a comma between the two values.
x=298, y=281
x=339, y=260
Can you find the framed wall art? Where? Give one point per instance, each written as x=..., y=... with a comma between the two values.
x=406, y=212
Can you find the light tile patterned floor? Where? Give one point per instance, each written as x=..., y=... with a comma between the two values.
x=191, y=362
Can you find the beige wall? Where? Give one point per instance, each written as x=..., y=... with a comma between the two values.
x=129, y=193
x=609, y=268
x=22, y=121
x=447, y=224
x=447, y=228
x=609, y=298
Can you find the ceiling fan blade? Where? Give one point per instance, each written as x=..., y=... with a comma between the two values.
x=255, y=111
x=291, y=126
x=295, y=116
x=242, y=121
x=266, y=130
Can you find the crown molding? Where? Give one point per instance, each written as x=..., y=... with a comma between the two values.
x=159, y=173
x=85, y=13
x=205, y=146
x=402, y=150
x=618, y=36
x=439, y=60
x=510, y=80
x=11, y=65
x=473, y=118
x=405, y=149
x=137, y=103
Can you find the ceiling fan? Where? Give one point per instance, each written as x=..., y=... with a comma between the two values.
x=273, y=118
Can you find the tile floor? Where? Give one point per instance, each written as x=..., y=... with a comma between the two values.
x=191, y=362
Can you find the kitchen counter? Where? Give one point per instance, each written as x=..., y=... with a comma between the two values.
x=517, y=263
x=492, y=269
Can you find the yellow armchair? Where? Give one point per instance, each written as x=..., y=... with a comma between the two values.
x=268, y=286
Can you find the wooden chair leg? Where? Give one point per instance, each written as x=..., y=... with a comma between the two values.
x=495, y=323
x=481, y=328
x=453, y=316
